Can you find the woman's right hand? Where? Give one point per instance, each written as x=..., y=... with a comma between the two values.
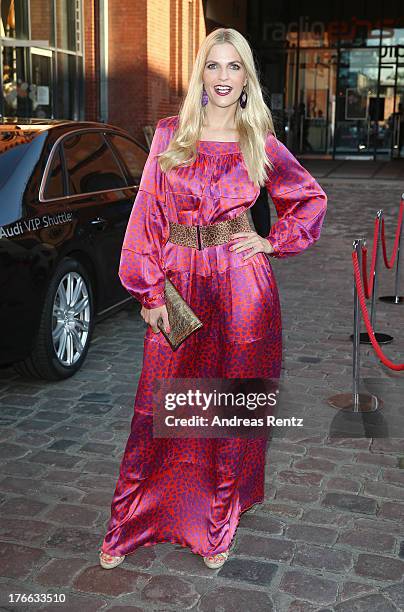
x=152, y=315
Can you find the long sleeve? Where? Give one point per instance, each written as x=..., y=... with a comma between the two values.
x=299, y=200
x=141, y=269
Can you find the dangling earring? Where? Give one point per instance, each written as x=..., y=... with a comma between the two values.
x=243, y=98
x=205, y=98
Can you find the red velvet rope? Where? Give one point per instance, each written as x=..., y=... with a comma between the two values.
x=390, y=263
x=368, y=284
x=359, y=287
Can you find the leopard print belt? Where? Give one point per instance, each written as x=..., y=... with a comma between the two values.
x=201, y=236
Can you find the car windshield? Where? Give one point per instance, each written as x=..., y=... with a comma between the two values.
x=13, y=146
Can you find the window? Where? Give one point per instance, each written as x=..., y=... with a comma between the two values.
x=90, y=163
x=133, y=156
x=54, y=182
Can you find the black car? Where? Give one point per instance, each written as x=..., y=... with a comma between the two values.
x=66, y=192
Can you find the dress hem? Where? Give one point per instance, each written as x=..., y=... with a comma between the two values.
x=174, y=541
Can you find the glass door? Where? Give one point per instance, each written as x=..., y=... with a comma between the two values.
x=315, y=100
x=357, y=110
x=41, y=82
x=397, y=118
x=310, y=85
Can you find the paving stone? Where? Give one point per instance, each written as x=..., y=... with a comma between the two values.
x=35, y=425
x=393, y=476
x=17, y=561
x=313, y=588
x=353, y=503
x=97, y=498
x=309, y=533
x=395, y=592
x=62, y=476
x=376, y=459
x=297, y=493
x=268, y=548
x=9, y=450
x=33, y=438
x=312, y=463
x=18, y=506
x=96, y=397
x=320, y=557
x=373, y=603
x=61, y=445
x=51, y=415
x=387, y=445
x=60, y=572
x=379, y=568
x=255, y=572
x=170, y=590
x=24, y=469
x=392, y=510
x=70, y=539
x=306, y=478
x=92, y=409
x=24, y=530
x=298, y=605
x=97, y=447
x=368, y=539
x=380, y=489
x=343, y=484
x=257, y=522
x=69, y=431
x=285, y=510
x=72, y=515
x=229, y=599
x=55, y=459
x=27, y=486
x=114, y=583
x=326, y=517
x=351, y=589
x=328, y=452
x=102, y=467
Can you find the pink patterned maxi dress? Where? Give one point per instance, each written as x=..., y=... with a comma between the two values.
x=191, y=491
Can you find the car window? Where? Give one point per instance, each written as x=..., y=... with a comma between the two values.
x=54, y=182
x=90, y=163
x=133, y=156
x=12, y=149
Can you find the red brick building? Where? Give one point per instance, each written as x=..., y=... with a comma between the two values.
x=123, y=62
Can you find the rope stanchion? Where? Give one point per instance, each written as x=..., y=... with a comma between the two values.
x=396, y=298
x=372, y=284
x=398, y=367
x=355, y=401
x=368, y=284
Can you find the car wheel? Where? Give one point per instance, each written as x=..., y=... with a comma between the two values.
x=66, y=325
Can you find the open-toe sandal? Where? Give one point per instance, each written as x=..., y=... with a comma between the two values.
x=108, y=561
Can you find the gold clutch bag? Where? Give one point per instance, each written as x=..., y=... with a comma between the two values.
x=183, y=321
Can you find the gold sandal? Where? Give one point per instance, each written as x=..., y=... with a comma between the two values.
x=109, y=564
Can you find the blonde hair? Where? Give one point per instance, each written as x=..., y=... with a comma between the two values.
x=253, y=122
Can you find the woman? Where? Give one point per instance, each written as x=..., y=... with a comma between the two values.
x=206, y=166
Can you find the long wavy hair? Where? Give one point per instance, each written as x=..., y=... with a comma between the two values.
x=253, y=122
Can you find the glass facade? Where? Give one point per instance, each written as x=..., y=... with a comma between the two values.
x=334, y=73
x=41, y=59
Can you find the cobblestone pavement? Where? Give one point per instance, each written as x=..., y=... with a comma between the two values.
x=330, y=535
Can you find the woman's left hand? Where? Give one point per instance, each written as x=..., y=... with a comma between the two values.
x=252, y=241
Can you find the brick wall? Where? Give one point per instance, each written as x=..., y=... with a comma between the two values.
x=152, y=46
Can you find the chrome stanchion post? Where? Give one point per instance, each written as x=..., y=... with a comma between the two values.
x=380, y=337
x=396, y=298
x=356, y=401
x=357, y=245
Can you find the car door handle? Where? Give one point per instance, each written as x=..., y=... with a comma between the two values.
x=98, y=222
